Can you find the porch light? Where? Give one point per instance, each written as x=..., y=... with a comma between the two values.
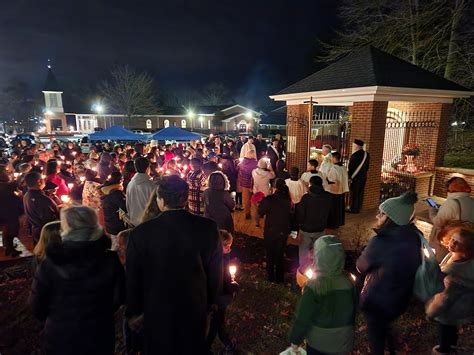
x=248, y=115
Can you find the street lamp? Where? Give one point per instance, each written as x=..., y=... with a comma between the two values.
x=99, y=108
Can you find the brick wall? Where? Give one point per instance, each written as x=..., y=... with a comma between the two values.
x=442, y=175
x=368, y=124
x=297, y=136
x=431, y=141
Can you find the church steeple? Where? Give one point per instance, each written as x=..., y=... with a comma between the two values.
x=53, y=103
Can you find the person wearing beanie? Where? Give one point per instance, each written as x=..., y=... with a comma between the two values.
x=357, y=170
x=388, y=267
x=325, y=315
x=459, y=206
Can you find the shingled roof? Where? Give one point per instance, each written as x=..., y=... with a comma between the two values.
x=51, y=83
x=369, y=66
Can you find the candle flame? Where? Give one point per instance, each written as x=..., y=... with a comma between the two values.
x=353, y=277
x=82, y=178
x=65, y=198
x=70, y=185
x=220, y=165
x=232, y=270
x=309, y=273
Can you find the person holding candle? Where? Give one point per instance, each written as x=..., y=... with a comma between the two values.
x=11, y=208
x=325, y=315
x=52, y=175
x=111, y=201
x=229, y=289
x=39, y=208
x=455, y=304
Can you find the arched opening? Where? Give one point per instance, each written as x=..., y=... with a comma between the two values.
x=183, y=123
x=148, y=124
x=242, y=126
x=166, y=123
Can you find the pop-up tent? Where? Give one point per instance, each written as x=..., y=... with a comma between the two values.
x=175, y=134
x=116, y=133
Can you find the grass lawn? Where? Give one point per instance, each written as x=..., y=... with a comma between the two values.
x=258, y=320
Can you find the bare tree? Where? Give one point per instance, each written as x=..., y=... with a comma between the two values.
x=215, y=94
x=129, y=92
x=434, y=34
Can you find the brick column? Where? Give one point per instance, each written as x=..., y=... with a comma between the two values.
x=440, y=138
x=368, y=123
x=298, y=126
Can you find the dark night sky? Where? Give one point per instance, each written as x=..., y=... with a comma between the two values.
x=254, y=47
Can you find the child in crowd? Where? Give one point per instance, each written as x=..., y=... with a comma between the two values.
x=325, y=316
x=229, y=289
x=50, y=233
x=455, y=305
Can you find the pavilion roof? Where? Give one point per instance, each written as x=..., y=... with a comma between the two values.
x=368, y=67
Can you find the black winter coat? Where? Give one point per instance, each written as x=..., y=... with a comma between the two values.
x=111, y=202
x=313, y=210
x=39, y=209
x=217, y=202
x=276, y=209
x=11, y=205
x=174, y=273
x=389, y=264
x=76, y=291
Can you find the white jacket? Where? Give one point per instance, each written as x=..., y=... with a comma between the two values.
x=261, y=180
x=297, y=190
x=139, y=191
x=338, y=175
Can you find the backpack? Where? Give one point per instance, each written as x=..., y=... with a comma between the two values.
x=428, y=278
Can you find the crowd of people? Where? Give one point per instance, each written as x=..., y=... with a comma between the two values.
x=123, y=225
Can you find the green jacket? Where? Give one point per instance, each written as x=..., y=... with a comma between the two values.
x=325, y=315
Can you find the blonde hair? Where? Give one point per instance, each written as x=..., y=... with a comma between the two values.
x=50, y=233
x=251, y=154
x=151, y=209
x=465, y=230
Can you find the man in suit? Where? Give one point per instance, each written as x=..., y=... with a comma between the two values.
x=273, y=153
x=174, y=274
x=358, y=166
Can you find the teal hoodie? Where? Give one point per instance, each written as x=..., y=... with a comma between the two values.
x=325, y=315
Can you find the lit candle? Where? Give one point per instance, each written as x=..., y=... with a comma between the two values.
x=16, y=175
x=94, y=168
x=62, y=157
x=82, y=178
x=108, y=177
x=43, y=176
x=70, y=185
x=167, y=172
x=309, y=273
x=353, y=277
x=241, y=159
x=65, y=198
x=60, y=162
x=74, y=154
x=232, y=271
x=185, y=167
x=220, y=165
x=182, y=176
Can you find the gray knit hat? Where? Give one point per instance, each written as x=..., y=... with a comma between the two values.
x=400, y=209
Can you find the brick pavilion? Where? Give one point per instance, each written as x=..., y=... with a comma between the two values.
x=390, y=103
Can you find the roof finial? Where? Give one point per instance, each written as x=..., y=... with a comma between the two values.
x=49, y=64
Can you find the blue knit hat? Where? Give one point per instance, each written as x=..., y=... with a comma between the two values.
x=400, y=209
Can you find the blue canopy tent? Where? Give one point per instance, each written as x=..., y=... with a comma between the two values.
x=116, y=133
x=175, y=134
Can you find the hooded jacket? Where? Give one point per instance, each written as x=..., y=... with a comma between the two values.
x=217, y=201
x=76, y=291
x=112, y=200
x=103, y=168
x=313, y=210
x=261, y=180
x=139, y=191
x=455, y=305
x=389, y=264
x=325, y=315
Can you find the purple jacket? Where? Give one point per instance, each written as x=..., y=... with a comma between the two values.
x=246, y=167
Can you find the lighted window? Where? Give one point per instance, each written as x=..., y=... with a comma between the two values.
x=166, y=123
x=209, y=124
x=183, y=123
x=148, y=124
